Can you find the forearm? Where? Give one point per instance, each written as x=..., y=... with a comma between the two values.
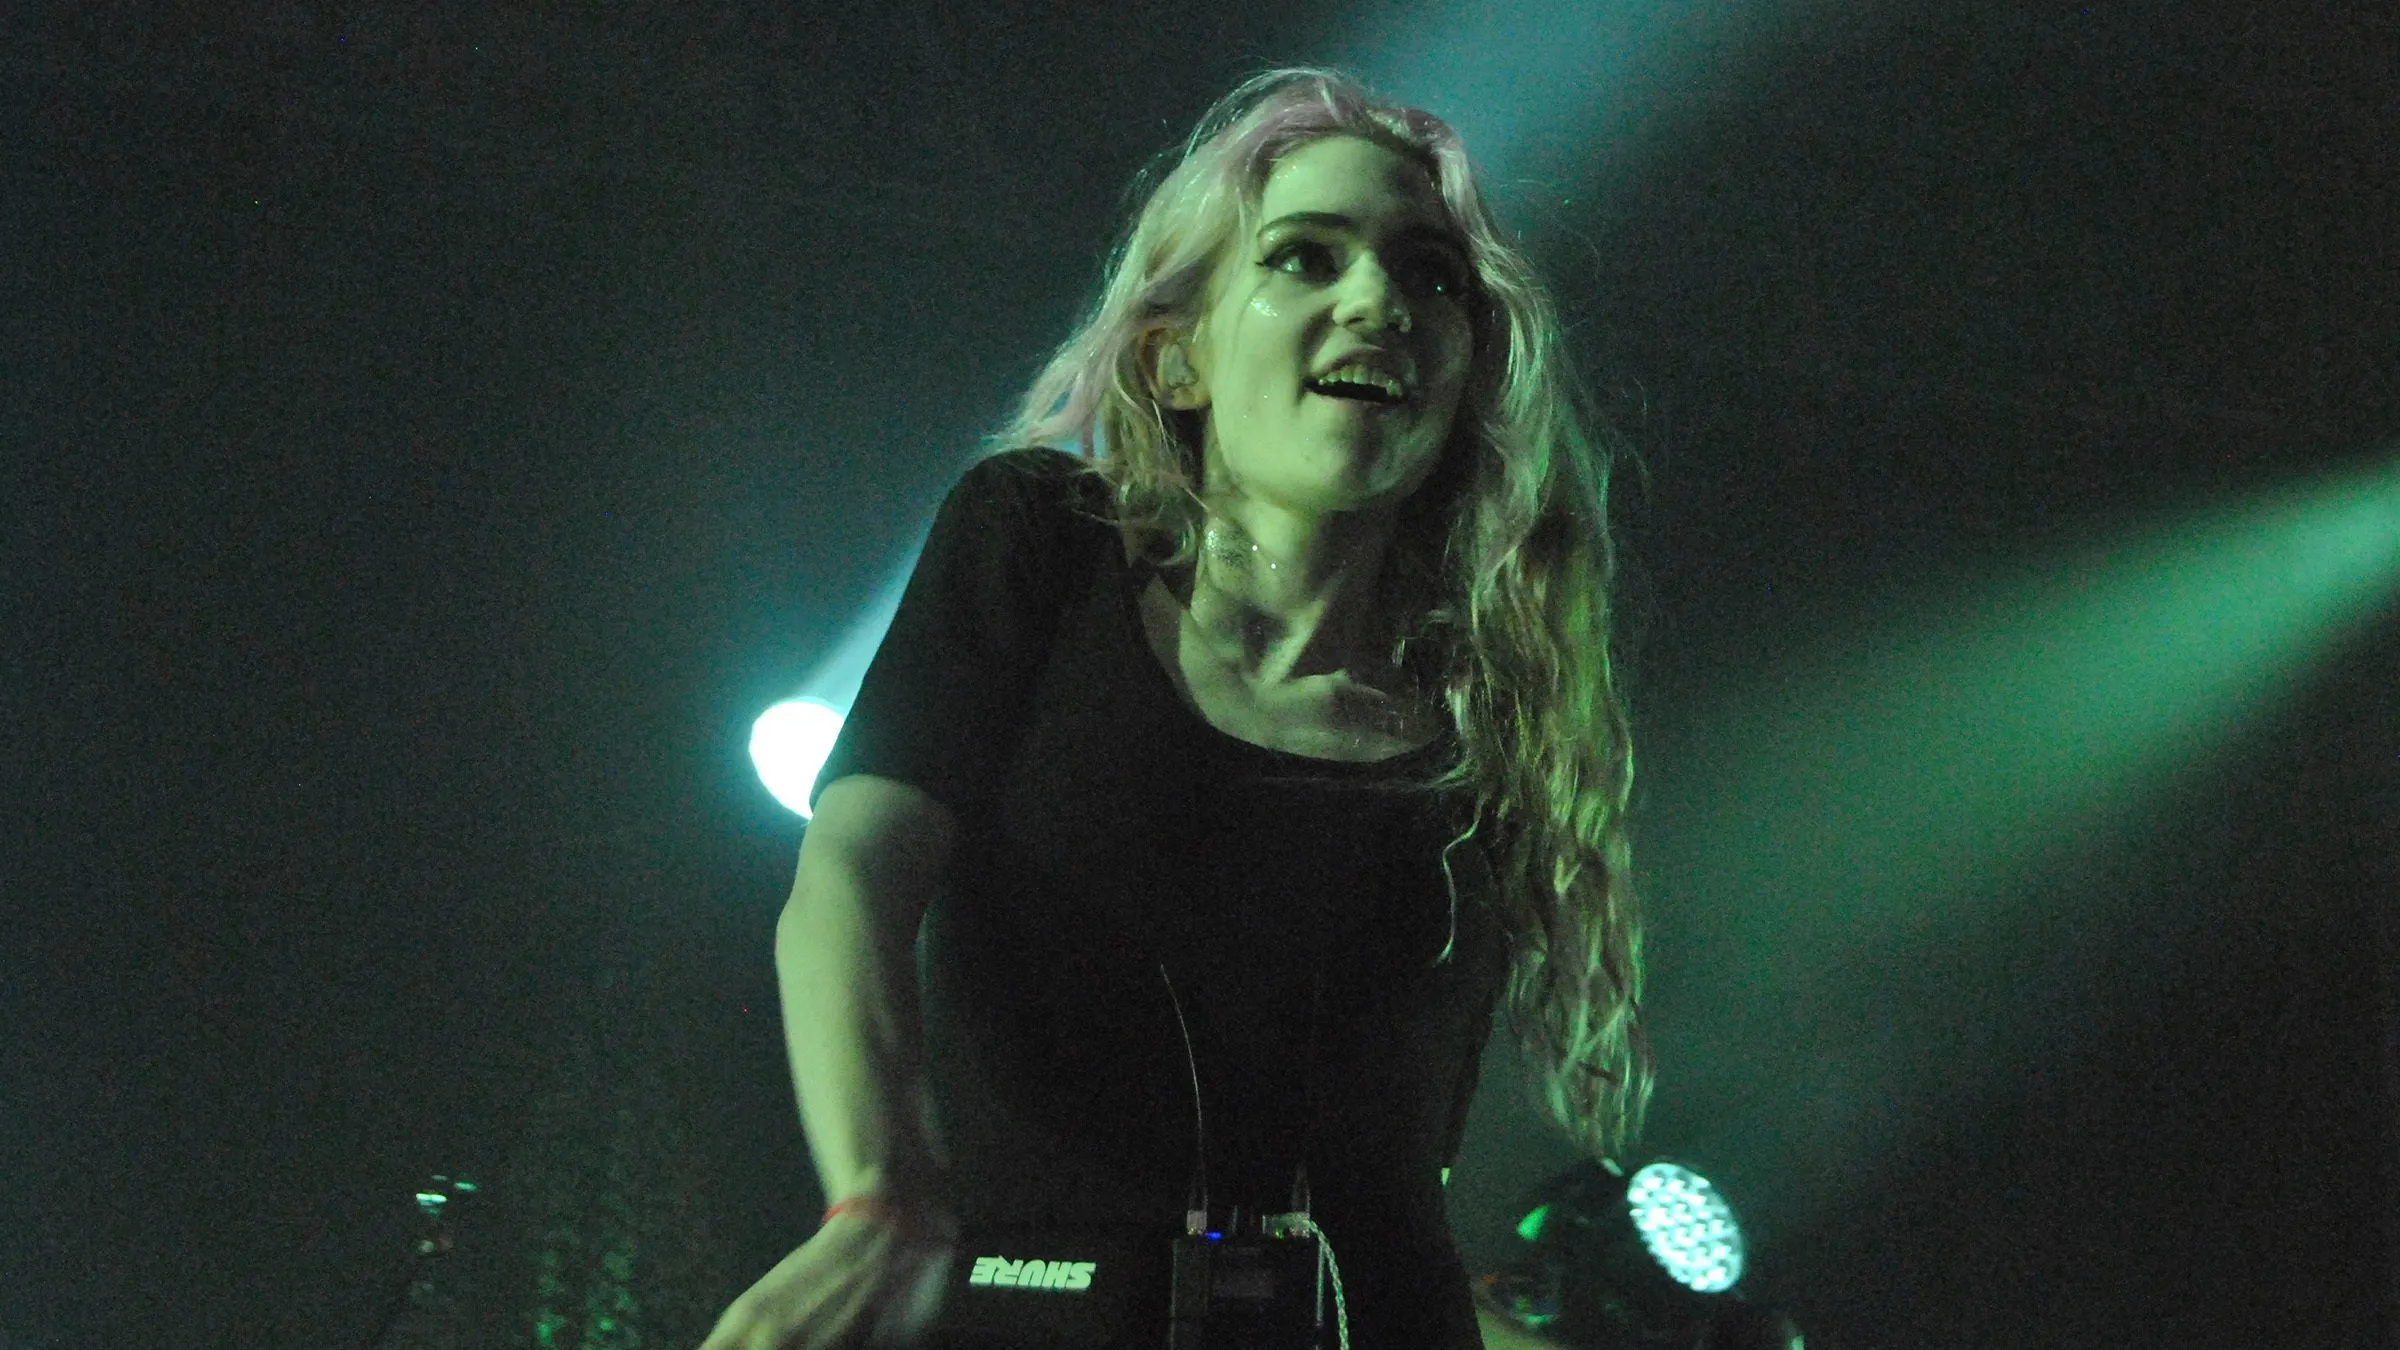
x=845, y=966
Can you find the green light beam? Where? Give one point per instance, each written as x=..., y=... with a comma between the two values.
x=1860, y=809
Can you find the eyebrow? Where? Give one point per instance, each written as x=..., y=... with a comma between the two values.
x=1419, y=231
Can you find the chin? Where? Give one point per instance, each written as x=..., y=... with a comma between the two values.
x=1415, y=469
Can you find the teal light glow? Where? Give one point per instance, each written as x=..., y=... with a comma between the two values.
x=788, y=745
x=1569, y=94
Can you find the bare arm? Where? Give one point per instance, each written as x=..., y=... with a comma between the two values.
x=845, y=965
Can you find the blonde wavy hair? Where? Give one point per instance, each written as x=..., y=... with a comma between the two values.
x=1502, y=565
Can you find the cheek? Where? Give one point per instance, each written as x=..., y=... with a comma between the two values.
x=1265, y=354
x=1463, y=363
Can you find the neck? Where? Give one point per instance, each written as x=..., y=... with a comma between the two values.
x=1285, y=596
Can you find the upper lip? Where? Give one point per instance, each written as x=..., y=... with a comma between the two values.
x=1378, y=359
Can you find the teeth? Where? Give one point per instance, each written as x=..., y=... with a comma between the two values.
x=1357, y=373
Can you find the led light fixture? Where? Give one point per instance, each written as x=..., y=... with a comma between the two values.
x=1615, y=1259
x=1687, y=1226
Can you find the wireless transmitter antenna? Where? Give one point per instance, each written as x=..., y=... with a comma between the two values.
x=1302, y=1201
x=1195, y=1204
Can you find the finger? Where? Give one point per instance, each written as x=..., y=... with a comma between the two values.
x=839, y=1319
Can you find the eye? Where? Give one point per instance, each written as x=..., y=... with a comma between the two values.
x=1320, y=258
x=1427, y=273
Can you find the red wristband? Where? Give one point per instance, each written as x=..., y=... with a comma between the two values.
x=876, y=1209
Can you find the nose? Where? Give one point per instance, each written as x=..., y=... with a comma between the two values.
x=1370, y=296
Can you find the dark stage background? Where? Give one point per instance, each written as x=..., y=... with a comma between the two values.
x=428, y=438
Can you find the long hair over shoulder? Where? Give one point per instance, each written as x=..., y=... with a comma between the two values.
x=1503, y=561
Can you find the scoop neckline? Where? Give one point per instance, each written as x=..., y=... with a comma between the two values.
x=1132, y=580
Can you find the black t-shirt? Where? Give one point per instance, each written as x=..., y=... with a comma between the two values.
x=1119, y=857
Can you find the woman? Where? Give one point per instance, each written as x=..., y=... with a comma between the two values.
x=1237, y=769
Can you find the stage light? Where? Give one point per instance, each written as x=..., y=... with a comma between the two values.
x=1611, y=1259
x=790, y=741
x=788, y=745
x=1687, y=1226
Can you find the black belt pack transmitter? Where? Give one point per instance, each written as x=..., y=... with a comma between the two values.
x=1264, y=1291
x=1101, y=1288
x=1022, y=1287
x=1255, y=1285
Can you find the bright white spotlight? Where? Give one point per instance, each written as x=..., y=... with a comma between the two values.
x=788, y=745
x=1687, y=1226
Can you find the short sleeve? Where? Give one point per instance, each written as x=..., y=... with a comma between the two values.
x=1462, y=1096
x=946, y=693
x=1489, y=985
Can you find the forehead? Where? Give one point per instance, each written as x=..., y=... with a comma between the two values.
x=1379, y=188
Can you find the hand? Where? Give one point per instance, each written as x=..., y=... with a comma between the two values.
x=1506, y=1333
x=857, y=1283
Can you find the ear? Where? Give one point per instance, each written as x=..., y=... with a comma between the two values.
x=1167, y=359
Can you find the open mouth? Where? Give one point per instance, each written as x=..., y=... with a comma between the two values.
x=1354, y=392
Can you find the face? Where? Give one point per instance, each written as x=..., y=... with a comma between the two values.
x=1354, y=252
